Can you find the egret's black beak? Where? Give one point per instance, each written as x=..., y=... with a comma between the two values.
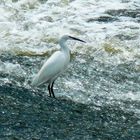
x=76, y=39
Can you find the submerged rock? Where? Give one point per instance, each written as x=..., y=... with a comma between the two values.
x=124, y=12
x=103, y=18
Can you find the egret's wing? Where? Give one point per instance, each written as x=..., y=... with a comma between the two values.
x=53, y=66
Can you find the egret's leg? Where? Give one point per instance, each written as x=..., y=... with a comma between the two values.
x=49, y=89
x=52, y=89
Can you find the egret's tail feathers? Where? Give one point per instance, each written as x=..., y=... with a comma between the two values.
x=38, y=80
x=35, y=82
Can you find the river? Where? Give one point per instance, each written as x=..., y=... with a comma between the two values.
x=103, y=76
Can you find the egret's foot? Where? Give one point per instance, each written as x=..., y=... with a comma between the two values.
x=53, y=95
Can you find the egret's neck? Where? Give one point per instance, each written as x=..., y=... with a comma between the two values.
x=63, y=46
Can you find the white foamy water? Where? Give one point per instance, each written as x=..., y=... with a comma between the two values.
x=110, y=28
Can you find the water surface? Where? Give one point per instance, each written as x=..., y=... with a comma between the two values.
x=104, y=74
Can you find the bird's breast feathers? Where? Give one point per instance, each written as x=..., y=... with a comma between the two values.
x=52, y=67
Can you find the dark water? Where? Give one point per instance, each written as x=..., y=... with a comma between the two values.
x=29, y=115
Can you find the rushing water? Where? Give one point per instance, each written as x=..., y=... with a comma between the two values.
x=103, y=72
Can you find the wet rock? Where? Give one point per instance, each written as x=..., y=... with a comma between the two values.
x=27, y=114
x=124, y=12
x=103, y=18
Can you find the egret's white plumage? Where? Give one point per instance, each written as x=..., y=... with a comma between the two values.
x=54, y=65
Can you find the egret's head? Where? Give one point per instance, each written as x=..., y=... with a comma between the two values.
x=67, y=37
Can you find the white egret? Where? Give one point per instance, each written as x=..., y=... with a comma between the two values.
x=55, y=65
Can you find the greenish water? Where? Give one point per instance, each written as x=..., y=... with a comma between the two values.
x=98, y=96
